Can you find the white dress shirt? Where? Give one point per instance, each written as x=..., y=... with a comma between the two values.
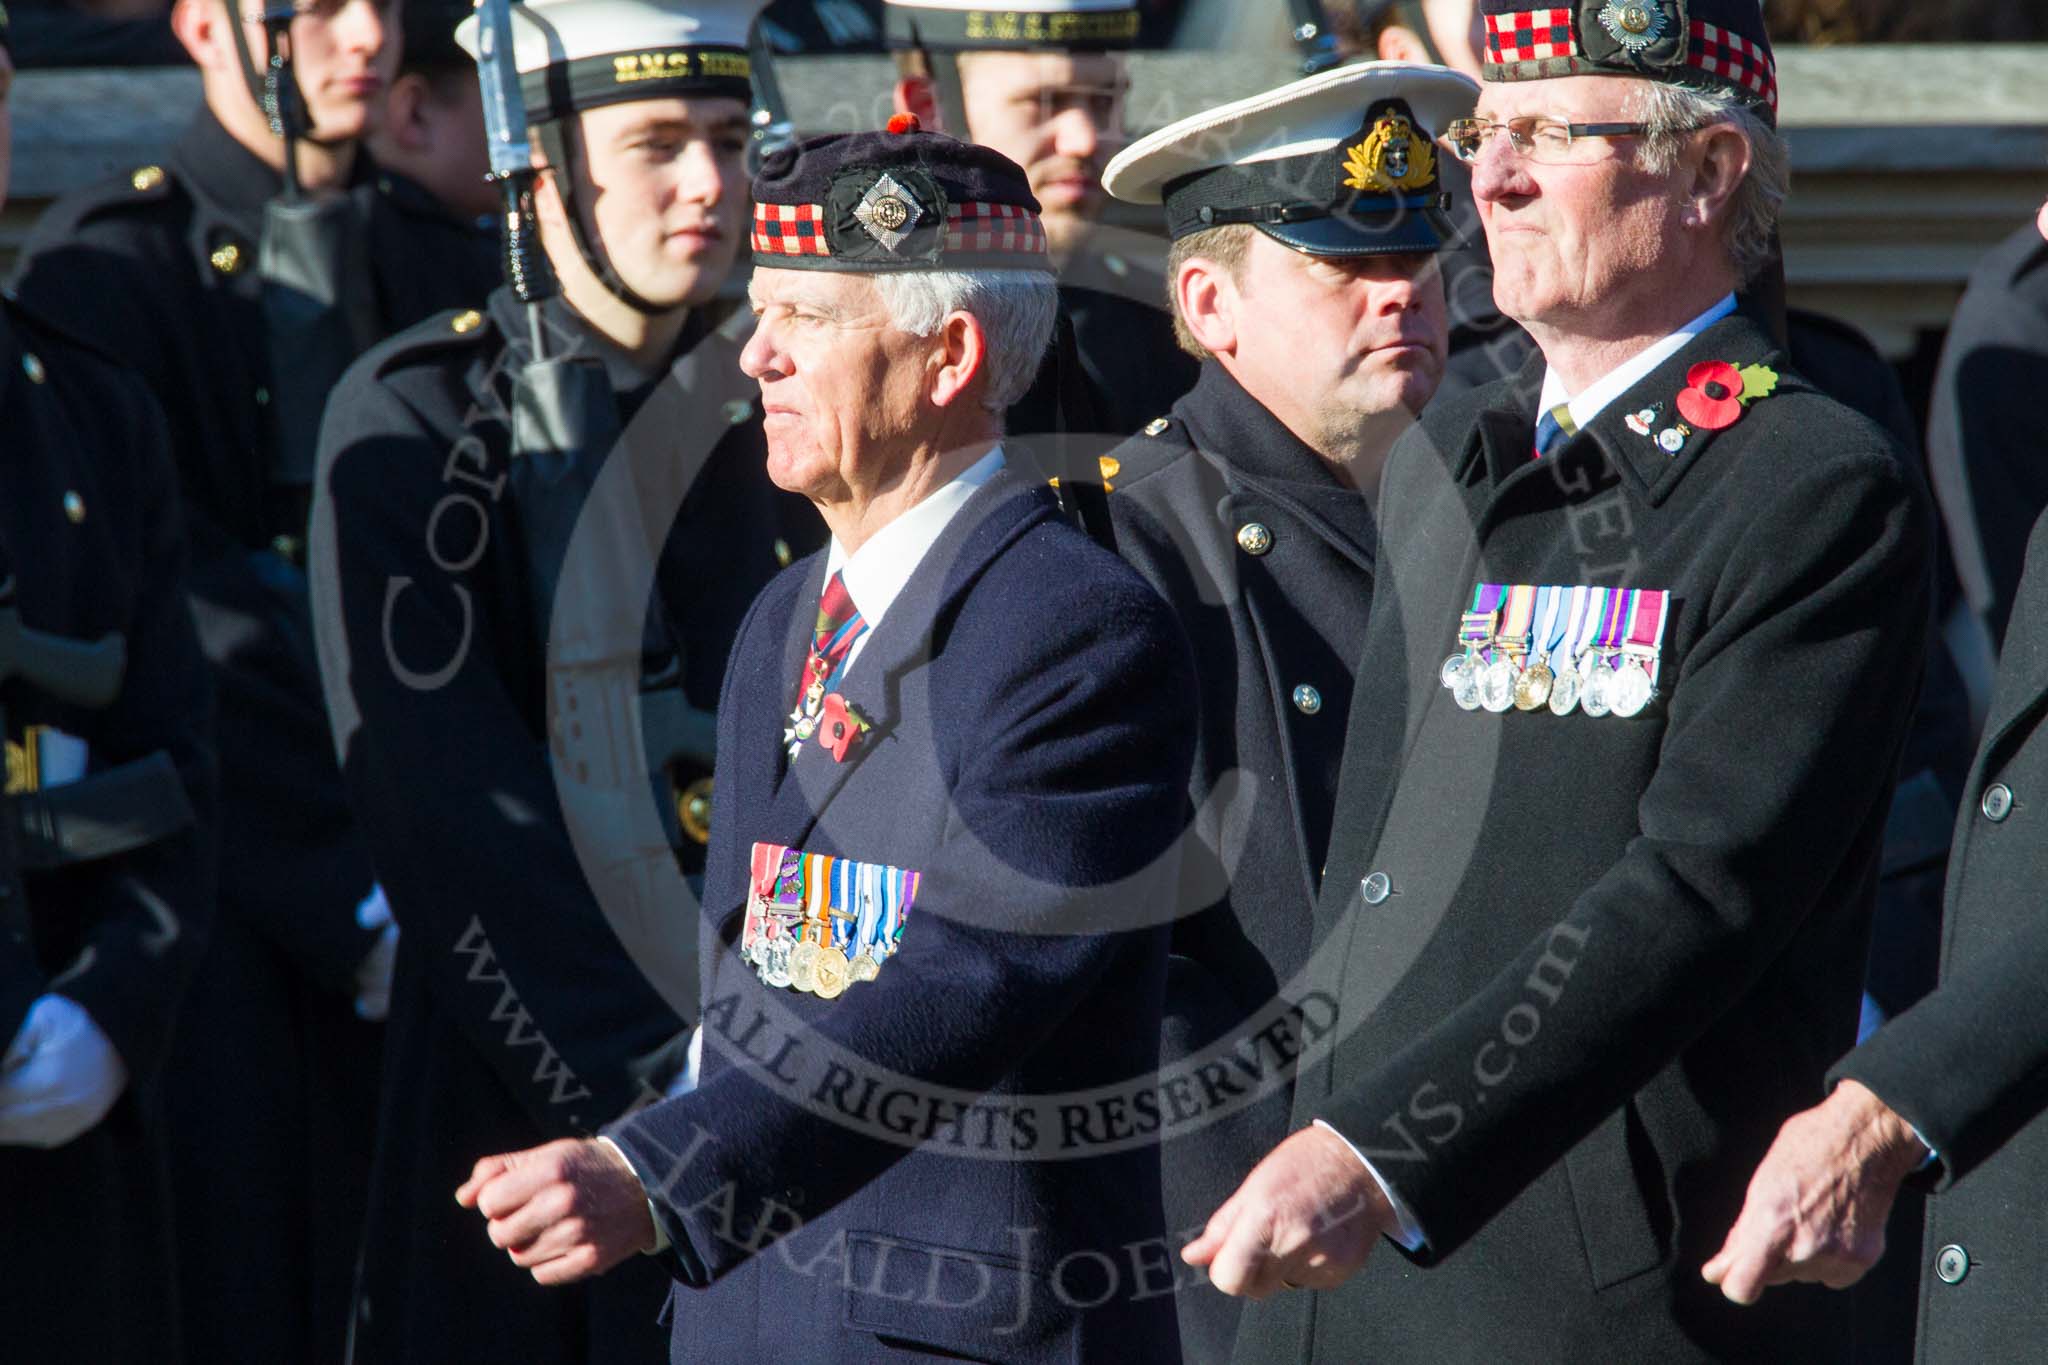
x=1584, y=406
x=878, y=571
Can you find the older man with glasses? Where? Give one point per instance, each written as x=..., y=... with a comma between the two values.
x=1648, y=619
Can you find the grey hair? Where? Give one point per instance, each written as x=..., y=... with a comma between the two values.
x=1014, y=307
x=1672, y=110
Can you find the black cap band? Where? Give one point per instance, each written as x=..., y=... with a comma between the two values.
x=971, y=30
x=564, y=88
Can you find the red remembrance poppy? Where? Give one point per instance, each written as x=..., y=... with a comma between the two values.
x=1712, y=396
x=838, y=727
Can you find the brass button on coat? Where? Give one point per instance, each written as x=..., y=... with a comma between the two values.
x=1307, y=700
x=1254, y=539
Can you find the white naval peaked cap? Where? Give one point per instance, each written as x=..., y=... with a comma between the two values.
x=580, y=54
x=1341, y=163
x=971, y=25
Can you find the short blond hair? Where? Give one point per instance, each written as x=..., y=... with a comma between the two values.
x=1223, y=247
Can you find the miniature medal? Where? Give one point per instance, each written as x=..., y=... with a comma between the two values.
x=775, y=969
x=1497, y=685
x=1564, y=692
x=1596, y=680
x=1532, y=689
x=803, y=963
x=829, y=973
x=1630, y=691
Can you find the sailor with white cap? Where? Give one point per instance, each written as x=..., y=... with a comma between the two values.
x=1303, y=274
x=518, y=1015
x=1044, y=83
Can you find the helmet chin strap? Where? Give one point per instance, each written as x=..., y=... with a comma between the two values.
x=275, y=89
x=561, y=153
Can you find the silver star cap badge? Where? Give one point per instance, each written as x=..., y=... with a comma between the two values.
x=887, y=212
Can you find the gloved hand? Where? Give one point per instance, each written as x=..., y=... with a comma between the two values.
x=373, y=976
x=60, y=1075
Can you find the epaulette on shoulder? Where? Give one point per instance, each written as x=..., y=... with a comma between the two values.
x=456, y=328
x=144, y=186
x=1159, y=444
x=45, y=329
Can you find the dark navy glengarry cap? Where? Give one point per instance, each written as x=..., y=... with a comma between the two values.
x=1342, y=163
x=902, y=199
x=1716, y=43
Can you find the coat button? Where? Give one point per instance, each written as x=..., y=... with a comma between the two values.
x=1307, y=700
x=148, y=178
x=32, y=366
x=74, y=507
x=1377, y=888
x=468, y=320
x=1254, y=539
x=1951, y=1263
x=1997, y=802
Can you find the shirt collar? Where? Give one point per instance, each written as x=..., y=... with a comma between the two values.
x=876, y=573
x=1586, y=405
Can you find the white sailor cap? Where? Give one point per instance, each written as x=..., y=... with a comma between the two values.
x=1337, y=164
x=973, y=25
x=580, y=54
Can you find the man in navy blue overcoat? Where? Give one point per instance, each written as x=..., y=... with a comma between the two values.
x=953, y=750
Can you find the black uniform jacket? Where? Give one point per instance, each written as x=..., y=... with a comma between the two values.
x=1131, y=368
x=517, y=1014
x=159, y=268
x=960, y=1151
x=1983, y=446
x=1587, y=966
x=90, y=537
x=1266, y=557
x=1968, y=1065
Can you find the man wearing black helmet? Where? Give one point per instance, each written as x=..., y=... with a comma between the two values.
x=1043, y=82
x=238, y=275
x=499, y=631
x=98, y=935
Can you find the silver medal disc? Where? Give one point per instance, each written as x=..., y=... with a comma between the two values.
x=1453, y=669
x=1564, y=691
x=775, y=970
x=1497, y=686
x=1466, y=693
x=1596, y=694
x=1631, y=691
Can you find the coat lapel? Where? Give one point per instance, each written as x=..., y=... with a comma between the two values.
x=990, y=521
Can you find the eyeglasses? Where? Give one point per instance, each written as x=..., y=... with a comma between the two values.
x=1549, y=141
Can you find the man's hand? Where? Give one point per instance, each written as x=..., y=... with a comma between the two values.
x=566, y=1211
x=59, y=1077
x=1305, y=1218
x=1816, y=1206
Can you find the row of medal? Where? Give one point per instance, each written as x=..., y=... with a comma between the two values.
x=1525, y=648
x=818, y=924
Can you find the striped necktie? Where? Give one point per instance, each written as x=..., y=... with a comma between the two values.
x=1553, y=427
x=839, y=625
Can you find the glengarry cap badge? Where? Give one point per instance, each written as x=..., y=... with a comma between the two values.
x=887, y=212
x=1632, y=23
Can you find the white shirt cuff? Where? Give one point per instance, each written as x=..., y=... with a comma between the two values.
x=660, y=1232
x=1409, y=1235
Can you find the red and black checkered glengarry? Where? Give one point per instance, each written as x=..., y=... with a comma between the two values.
x=1689, y=42
x=902, y=199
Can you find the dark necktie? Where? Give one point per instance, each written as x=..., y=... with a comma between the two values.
x=839, y=625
